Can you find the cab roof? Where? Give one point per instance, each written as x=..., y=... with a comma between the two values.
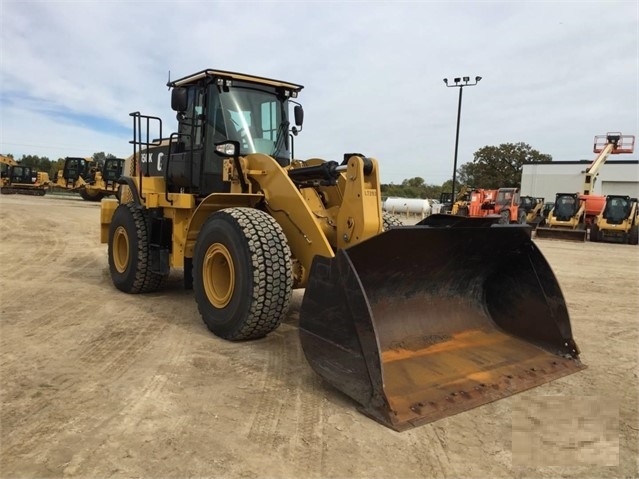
x=195, y=77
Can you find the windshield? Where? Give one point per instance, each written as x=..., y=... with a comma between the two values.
x=505, y=197
x=258, y=119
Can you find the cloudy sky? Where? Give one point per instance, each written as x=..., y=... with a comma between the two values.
x=555, y=74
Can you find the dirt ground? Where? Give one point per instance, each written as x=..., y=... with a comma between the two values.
x=97, y=383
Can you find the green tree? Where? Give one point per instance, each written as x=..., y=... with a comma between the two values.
x=416, y=182
x=412, y=188
x=39, y=163
x=499, y=166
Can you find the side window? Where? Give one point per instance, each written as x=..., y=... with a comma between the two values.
x=269, y=120
x=191, y=124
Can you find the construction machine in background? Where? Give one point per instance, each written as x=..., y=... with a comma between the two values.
x=566, y=220
x=411, y=322
x=533, y=207
x=15, y=178
x=617, y=222
x=507, y=206
x=457, y=207
x=93, y=180
x=574, y=213
x=502, y=204
x=5, y=162
x=482, y=203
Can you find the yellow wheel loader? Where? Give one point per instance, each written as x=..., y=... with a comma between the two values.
x=93, y=180
x=618, y=222
x=414, y=323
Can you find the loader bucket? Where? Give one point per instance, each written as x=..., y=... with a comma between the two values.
x=568, y=234
x=422, y=322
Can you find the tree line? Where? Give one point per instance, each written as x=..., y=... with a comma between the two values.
x=492, y=167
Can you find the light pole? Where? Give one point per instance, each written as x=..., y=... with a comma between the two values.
x=459, y=83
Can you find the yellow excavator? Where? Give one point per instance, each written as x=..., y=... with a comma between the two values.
x=411, y=322
x=16, y=178
x=618, y=221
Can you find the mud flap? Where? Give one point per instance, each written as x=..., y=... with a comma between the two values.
x=569, y=234
x=423, y=322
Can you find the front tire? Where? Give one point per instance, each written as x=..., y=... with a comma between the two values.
x=594, y=233
x=504, y=217
x=129, y=253
x=242, y=276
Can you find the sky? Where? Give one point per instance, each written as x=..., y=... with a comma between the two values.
x=554, y=74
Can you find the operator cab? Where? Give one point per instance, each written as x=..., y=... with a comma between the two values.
x=507, y=196
x=22, y=174
x=74, y=168
x=566, y=206
x=617, y=209
x=112, y=170
x=215, y=106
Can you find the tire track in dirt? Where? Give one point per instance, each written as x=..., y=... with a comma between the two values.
x=119, y=343
x=37, y=420
x=269, y=405
x=287, y=416
x=50, y=415
x=309, y=440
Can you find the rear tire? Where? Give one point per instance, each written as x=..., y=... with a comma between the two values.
x=128, y=251
x=242, y=276
x=594, y=233
x=504, y=217
x=634, y=235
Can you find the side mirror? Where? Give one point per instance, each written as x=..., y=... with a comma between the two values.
x=299, y=115
x=179, y=99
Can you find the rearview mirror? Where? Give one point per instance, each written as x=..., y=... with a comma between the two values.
x=299, y=115
x=179, y=99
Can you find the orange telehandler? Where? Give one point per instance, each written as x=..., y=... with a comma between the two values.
x=502, y=203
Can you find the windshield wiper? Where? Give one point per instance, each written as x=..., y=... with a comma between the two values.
x=280, y=137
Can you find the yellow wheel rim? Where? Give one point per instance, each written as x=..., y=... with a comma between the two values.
x=120, y=249
x=218, y=275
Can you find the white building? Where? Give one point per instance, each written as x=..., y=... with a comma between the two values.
x=616, y=177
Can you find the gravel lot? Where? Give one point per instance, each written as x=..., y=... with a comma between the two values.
x=97, y=383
